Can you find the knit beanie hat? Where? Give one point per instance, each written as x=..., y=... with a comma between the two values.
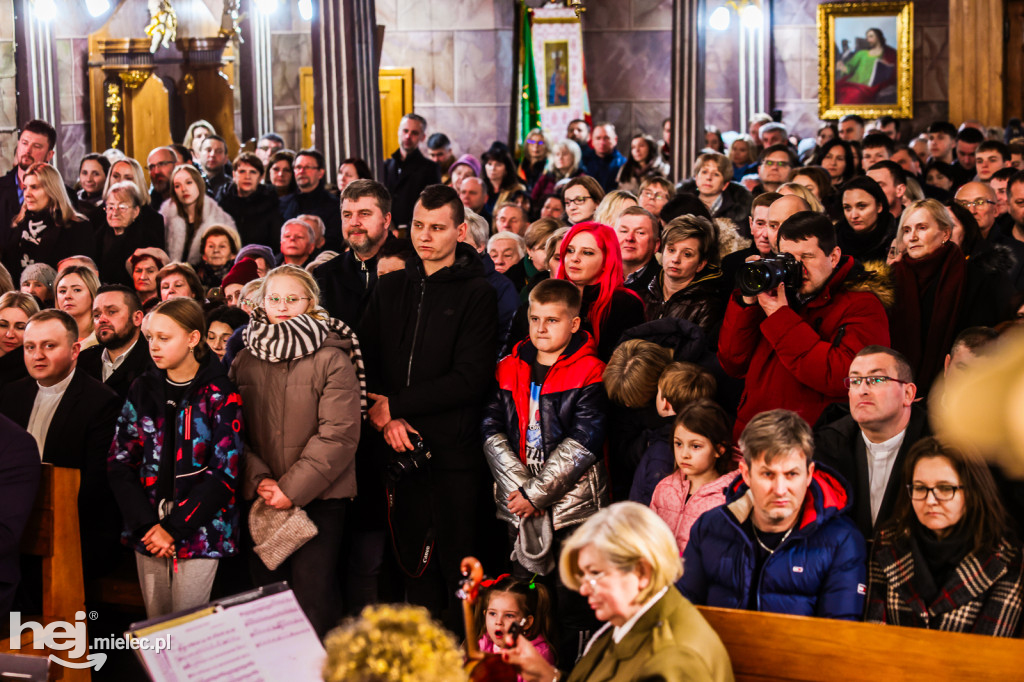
x=242, y=272
x=257, y=251
x=39, y=272
x=469, y=160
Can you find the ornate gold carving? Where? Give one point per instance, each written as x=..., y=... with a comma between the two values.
x=903, y=12
x=188, y=84
x=229, y=27
x=576, y=6
x=113, y=103
x=163, y=24
x=133, y=78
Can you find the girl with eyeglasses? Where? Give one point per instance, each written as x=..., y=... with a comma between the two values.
x=948, y=559
x=303, y=391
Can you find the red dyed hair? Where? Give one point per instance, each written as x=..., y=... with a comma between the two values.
x=611, y=277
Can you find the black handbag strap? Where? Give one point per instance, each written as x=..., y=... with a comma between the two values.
x=426, y=552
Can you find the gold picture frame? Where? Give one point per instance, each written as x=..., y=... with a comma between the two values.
x=865, y=59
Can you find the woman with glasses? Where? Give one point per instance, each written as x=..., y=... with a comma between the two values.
x=624, y=560
x=120, y=233
x=303, y=393
x=581, y=195
x=939, y=293
x=948, y=559
x=563, y=164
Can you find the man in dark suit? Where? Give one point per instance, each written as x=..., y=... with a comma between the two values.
x=868, y=447
x=346, y=281
x=312, y=197
x=408, y=172
x=35, y=145
x=122, y=354
x=72, y=418
x=19, y=479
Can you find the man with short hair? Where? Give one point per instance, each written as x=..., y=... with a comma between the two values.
x=773, y=134
x=214, y=157
x=313, y=197
x=867, y=447
x=253, y=205
x=408, y=172
x=429, y=340
x=754, y=127
x=793, y=343
x=888, y=126
x=639, y=234
x=347, y=281
x=1012, y=234
x=851, y=128
x=941, y=141
x=604, y=165
x=160, y=163
x=72, y=417
x=967, y=142
x=998, y=182
x=35, y=145
x=760, y=242
x=268, y=145
x=990, y=156
x=893, y=181
x=511, y=218
x=579, y=132
x=908, y=160
x=782, y=542
x=876, y=147
x=122, y=354
x=980, y=200
x=298, y=241
x=473, y=194
x=773, y=168
x=439, y=149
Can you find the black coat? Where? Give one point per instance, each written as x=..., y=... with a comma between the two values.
x=346, y=284
x=320, y=203
x=700, y=302
x=642, y=278
x=112, y=250
x=12, y=367
x=840, y=446
x=38, y=239
x=429, y=345
x=257, y=216
x=137, y=363
x=10, y=205
x=405, y=179
x=873, y=246
x=79, y=437
x=19, y=480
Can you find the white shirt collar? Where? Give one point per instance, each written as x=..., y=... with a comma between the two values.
x=620, y=632
x=105, y=355
x=884, y=448
x=59, y=387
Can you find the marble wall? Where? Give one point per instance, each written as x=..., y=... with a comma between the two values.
x=8, y=91
x=461, y=55
x=795, y=66
x=627, y=45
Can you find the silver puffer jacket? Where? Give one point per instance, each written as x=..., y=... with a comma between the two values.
x=573, y=485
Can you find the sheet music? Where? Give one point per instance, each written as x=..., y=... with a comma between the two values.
x=265, y=640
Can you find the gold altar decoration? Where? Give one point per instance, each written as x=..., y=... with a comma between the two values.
x=133, y=78
x=230, y=24
x=113, y=103
x=163, y=24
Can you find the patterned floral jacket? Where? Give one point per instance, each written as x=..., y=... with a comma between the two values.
x=208, y=444
x=983, y=596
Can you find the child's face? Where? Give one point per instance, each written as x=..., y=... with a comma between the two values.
x=502, y=611
x=695, y=454
x=551, y=326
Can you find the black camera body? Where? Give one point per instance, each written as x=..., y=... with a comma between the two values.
x=403, y=465
x=759, y=276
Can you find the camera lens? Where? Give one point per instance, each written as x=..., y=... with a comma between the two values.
x=755, y=277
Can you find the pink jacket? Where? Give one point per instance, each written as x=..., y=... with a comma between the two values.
x=540, y=644
x=669, y=502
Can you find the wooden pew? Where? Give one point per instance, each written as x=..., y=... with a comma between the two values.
x=769, y=646
x=52, y=533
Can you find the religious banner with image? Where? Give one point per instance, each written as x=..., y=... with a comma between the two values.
x=557, y=42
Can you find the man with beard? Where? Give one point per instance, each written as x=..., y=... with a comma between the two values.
x=122, y=354
x=347, y=281
x=35, y=145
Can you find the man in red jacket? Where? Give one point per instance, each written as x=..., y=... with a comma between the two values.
x=794, y=346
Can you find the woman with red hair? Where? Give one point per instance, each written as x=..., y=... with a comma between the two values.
x=592, y=261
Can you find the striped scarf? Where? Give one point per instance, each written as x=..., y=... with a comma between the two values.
x=301, y=336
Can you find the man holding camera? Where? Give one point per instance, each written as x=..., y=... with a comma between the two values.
x=792, y=338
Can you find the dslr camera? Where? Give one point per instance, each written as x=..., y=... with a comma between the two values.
x=403, y=465
x=759, y=276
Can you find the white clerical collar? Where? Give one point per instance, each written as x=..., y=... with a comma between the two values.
x=886, y=446
x=58, y=387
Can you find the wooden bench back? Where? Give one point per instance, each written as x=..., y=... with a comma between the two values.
x=769, y=646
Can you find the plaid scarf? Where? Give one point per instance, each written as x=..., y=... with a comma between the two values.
x=301, y=336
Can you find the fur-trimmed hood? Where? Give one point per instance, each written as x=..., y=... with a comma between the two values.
x=874, y=277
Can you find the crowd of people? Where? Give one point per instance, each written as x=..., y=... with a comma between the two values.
x=479, y=356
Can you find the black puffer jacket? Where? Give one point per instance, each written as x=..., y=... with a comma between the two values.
x=257, y=216
x=429, y=345
x=699, y=302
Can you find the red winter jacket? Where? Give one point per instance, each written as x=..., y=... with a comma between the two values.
x=797, y=358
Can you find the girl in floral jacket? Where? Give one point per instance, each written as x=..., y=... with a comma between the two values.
x=174, y=462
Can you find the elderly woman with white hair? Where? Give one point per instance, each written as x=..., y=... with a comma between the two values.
x=624, y=560
x=563, y=163
x=507, y=250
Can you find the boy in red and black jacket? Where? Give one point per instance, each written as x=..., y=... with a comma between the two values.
x=543, y=437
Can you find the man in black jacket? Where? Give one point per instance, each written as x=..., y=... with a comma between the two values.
x=869, y=445
x=253, y=205
x=122, y=354
x=429, y=338
x=346, y=281
x=308, y=168
x=72, y=417
x=408, y=172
